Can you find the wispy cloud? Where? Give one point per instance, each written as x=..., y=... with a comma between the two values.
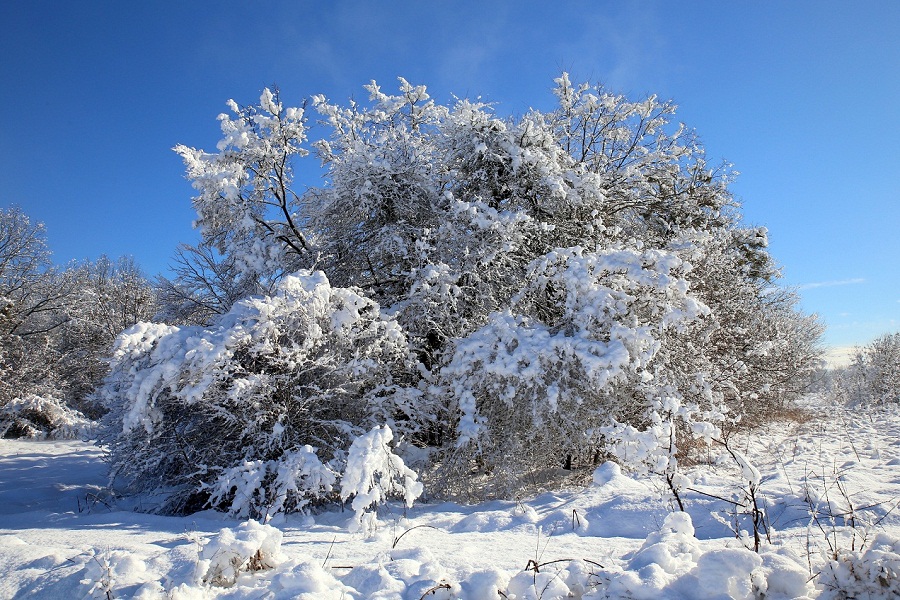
x=821, y=284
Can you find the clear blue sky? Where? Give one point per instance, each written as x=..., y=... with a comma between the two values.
x=803, y=98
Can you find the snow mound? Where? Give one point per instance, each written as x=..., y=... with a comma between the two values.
x=107, y=574
x=606, y=473
x=671, y=563
x=251, y=547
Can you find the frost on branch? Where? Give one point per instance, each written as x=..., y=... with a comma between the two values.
x=247, y=413
x=372, y=475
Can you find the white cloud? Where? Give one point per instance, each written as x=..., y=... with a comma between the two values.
x=820, y=284
x=839, y=356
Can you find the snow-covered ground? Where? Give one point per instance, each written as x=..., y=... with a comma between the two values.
x=62, y=536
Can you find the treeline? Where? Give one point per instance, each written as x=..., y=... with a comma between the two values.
x=57, y=328
x=871, y=379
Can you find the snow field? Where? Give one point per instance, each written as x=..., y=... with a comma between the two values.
x=62, y=536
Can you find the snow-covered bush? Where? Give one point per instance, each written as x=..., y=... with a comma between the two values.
x=255, y=412
x=575, y=356
x=372, y=475
x=653, y=442
x=268, y=487
x=36, y=417
x=873, y=573
x=251, y=547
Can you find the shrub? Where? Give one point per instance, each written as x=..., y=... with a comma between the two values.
x=873, y=573
x=32, y=416
x=254, y=413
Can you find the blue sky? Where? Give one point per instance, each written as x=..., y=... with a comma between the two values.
x=803, y=98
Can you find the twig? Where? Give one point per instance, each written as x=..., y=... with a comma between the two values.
x=732, y=502
x=536, y=567
x=440, y=586
x=399, y=537
x=327, y=556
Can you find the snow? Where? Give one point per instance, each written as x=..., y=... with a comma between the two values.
x=63, y=535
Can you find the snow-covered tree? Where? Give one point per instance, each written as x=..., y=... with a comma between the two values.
x=576, y=352
x=33, y=299
x=246, y=207
x=107, y=297
x=205, y=285
x=756, y=351
x=563, y=278
x=32, y=290
x=874, y=375
x=57, y=324
x=24, y=264
x=385, y=187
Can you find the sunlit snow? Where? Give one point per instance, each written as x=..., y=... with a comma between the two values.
x=64, y=535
